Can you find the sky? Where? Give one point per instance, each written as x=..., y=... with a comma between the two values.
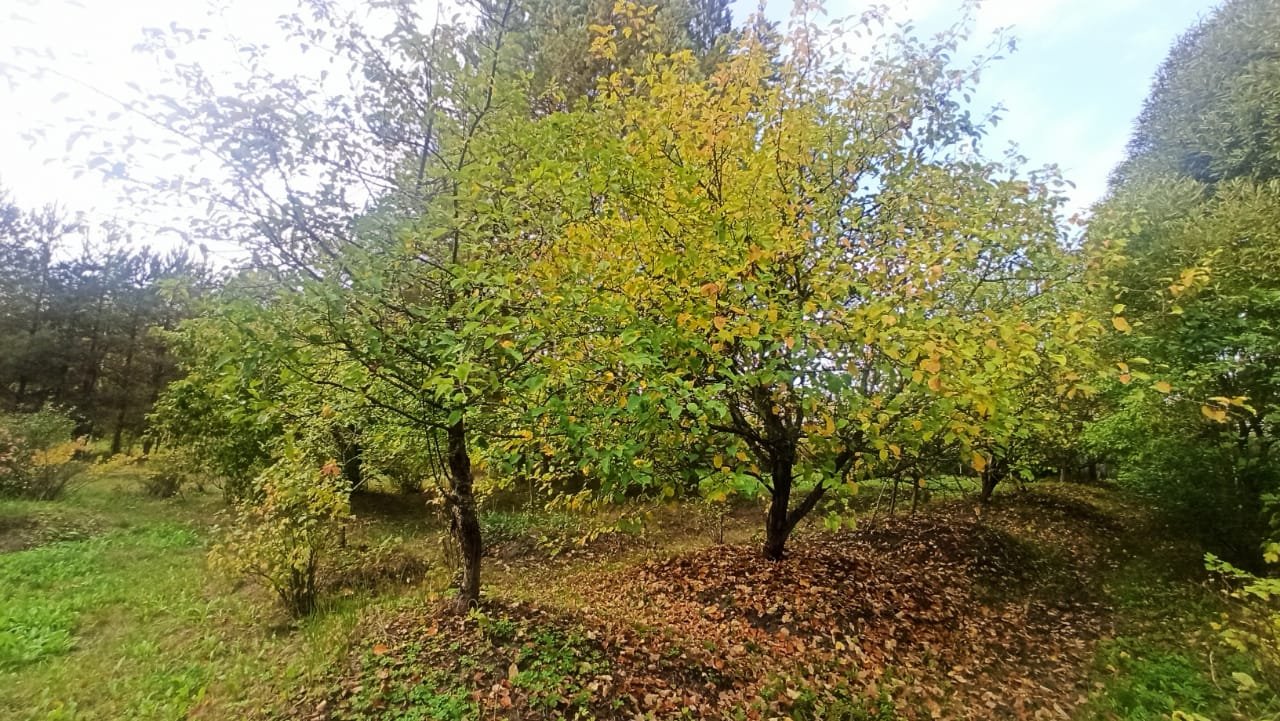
x=1071, y=90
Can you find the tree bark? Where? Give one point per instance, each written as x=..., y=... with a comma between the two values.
x=776, y=530
x=464, y=521
x=783, y=519
x=989, y=482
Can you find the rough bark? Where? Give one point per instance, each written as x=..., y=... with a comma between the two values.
x=782, y=519
x=464, y=521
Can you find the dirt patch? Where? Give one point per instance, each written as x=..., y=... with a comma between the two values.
x=23, y=532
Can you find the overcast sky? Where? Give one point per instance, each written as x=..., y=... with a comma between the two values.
x=1071, y=90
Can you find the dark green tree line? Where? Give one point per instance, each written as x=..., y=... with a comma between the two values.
x=80, y=309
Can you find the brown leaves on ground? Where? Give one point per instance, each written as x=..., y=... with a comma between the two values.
x=946, y=615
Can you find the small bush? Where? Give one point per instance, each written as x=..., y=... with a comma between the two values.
x=282, y=539
x=1252, y=626
x=163, y=483
x=39, y=457
x=169, y=473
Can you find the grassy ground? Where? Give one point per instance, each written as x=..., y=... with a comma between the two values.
x=108, y=611
x=118, y=619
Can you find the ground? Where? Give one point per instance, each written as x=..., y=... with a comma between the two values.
x=1056, y=602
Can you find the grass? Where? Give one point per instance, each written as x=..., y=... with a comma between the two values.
x=1165, y=657
x=108, y=611
x=126, y=622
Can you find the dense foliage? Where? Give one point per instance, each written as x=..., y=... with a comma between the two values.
x=1188, y=248
x=565, y=285
x=80, y=326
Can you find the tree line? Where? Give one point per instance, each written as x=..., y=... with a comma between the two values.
x=83, y=310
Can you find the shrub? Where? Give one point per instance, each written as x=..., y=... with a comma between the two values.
x=39, y=457
x=1252, y=626
x=282, y=538
x=170, y=472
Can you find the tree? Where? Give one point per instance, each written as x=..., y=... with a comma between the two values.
x=1185, y=251
x=1213, y=113
x=807, y=262
x=381, y=211
x=81, y=325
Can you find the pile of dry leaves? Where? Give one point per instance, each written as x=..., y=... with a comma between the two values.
x=946, y=615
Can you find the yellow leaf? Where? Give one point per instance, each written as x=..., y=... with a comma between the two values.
x=979, y=462
x=710, y=288
x=831, y=426
x=1163, y=386
x=1121, y=324
x=1214, y=414
x=720, y=322
x=790, y=342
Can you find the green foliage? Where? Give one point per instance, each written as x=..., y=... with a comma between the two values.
x=1150, y=683
x=46, y=592
x=1252, y=625
x=223, y=413
x=847, y=318
x=167, y=480
x=82, y=325
x=1184, y=253
x=282, y=538
x=1214, y=110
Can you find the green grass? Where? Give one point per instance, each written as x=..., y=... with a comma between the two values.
x=128, y=623
x=1166, y=658
x=112, y=613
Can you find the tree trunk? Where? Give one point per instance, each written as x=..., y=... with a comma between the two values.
x=117, y=436
x=350, y=453
x=122, y=414
x=464, y=522
x=776, y=529
x=783, y=519
x=990, y=479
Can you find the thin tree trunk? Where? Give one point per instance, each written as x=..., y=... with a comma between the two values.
x=117, y=436
x=464, y=522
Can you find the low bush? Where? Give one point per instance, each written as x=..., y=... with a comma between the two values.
x=283, y=538
x=39, y=455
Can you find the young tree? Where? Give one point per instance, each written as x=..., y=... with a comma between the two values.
x=808, y=261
